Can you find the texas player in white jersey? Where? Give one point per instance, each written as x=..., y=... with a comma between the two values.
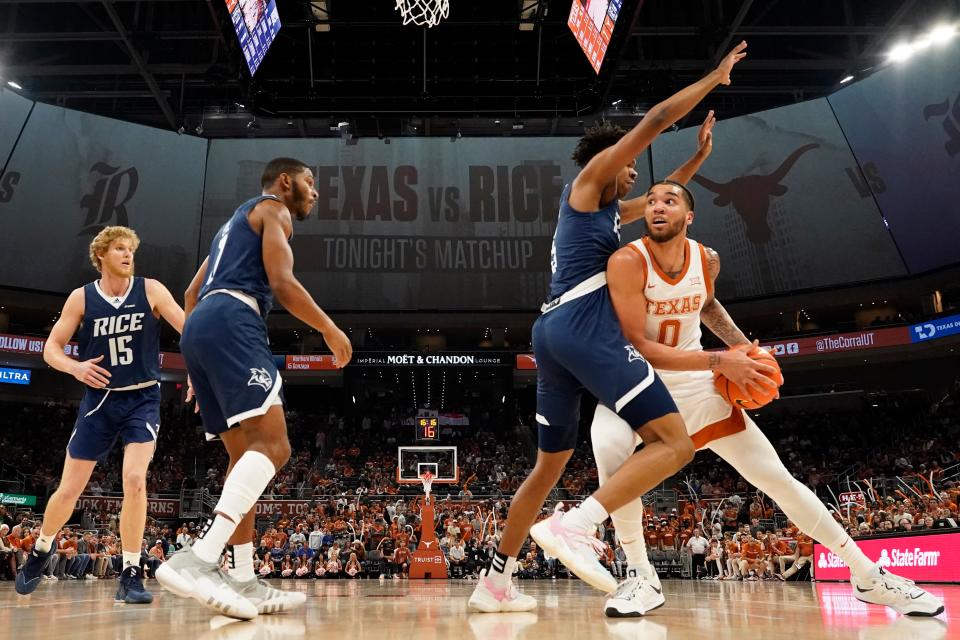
x=662, y=288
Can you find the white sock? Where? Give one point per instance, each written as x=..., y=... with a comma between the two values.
x=501, y=570
x=860, y=565
x=241, y=490
x=131, y=559
x=44, y=543
x=586, y=517
x=240, y=565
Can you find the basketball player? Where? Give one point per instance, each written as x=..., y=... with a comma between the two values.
x=118, y=318
x=238, y=387
x=662, y=288
x=579, y=345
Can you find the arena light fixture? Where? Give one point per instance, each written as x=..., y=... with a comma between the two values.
x=14, y=85
x=942, y=33
x=846, y=80
x=900, y=52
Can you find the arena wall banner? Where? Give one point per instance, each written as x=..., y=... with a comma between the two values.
x=14, y=110
x=939, y=328
x=933, y=557
x=76, y=173
x=904, y=128
x=156, y=507
x=30, y=345
x=781, y=202
x=421, y=223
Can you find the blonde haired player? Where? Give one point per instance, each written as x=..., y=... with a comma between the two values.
x=662, y=288
x=118, y=317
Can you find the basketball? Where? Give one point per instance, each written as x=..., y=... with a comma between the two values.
x=753, y=398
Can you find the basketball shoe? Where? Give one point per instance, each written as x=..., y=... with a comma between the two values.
x=30, y=574
x=577, y=550
x=636, y=596
x=190, y=577
x=487, y=598
x=266, y=598
x=900, y=594
x=130, y=589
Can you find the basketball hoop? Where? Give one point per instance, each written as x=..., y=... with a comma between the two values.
x=427, y=479
x=423, y=13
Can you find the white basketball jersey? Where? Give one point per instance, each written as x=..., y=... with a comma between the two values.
x=674, y=304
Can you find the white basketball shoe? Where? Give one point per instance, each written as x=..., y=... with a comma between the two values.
x=488, y=598
x=635, y=596
x=900, y=594
x=578, y=551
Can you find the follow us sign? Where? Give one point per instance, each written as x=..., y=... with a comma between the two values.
x=14, y=376
x=939, y=328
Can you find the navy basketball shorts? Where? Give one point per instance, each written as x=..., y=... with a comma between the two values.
x=106, y=416
x=579, y=346
x=234, y=375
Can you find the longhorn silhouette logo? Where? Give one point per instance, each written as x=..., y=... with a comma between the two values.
x=751, y=195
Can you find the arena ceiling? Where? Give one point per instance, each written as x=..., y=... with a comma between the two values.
x=496, y=67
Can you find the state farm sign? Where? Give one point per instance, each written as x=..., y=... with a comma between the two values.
x=923, y=558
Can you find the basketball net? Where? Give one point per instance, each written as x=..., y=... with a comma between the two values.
x=427, y=479
x=423, y=13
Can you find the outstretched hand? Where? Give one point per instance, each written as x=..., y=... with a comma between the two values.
x=705, y=135
x=726, y=65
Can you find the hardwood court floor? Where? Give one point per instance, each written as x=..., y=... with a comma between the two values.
x=421, y=610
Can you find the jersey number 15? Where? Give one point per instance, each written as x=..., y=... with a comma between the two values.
x=120, y=353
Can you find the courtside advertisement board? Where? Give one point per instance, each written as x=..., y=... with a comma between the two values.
x=921, y=558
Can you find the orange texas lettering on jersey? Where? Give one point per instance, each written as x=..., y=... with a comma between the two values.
x=686, y=304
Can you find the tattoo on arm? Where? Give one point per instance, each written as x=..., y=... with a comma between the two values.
x=716, y=318
x=714, y=360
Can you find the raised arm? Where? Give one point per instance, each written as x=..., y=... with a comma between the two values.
x=632, y=210
x=54, y=355
x=603, y=168
x=278, y=262
x=685, y=172
x=713, y=315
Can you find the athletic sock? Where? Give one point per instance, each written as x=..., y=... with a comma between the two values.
x=131, y=559
x=854, y=557
x=241, y=490
x=501, y=570
x=240, y=561
x=44, y=543
x=586, y=517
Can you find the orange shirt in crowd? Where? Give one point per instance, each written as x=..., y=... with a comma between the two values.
x=752, y=550
x=780, y=548
x=652, y=538
x=733, y=548
x=668, y=538
x=805, y=544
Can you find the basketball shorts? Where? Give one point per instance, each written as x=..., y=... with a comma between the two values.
x=707, y=415
x=579, y=346
x=228, y=357
x=106, y=416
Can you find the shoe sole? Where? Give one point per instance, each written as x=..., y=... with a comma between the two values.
x=552, y=547
x=613, y=612
x=913, y=614
x=923, y=614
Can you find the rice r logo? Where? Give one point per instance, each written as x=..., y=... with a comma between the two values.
x=106, y=206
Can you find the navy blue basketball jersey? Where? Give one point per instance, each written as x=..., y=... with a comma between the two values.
x=582, y=244
x=124, y=331
x=236, y=259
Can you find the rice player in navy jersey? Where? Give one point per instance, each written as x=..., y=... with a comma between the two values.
x=579, y=345
x=238, y=387
x=119, y=321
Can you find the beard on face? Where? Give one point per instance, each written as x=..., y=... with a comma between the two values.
x=667, y=233
x=301, y=199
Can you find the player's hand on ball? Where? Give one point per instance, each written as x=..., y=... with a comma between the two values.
x=90, y=374
x=339, y=343
x=726, y=65
x=744, y=371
